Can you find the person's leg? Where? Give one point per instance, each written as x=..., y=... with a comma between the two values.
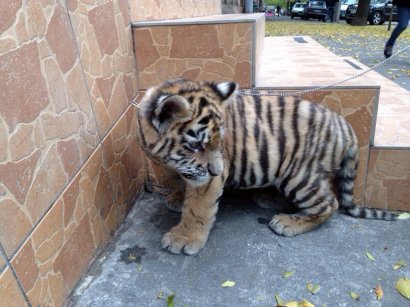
x=403, y=17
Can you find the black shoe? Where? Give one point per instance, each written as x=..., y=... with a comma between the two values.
x=388, y=51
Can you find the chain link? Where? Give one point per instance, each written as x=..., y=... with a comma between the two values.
x=134, y=101
x=252, y=92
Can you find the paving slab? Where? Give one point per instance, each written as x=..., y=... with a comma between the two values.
x=135, y=271
x=302, y=61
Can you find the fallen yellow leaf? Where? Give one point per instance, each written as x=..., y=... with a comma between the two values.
x=132, y=257
x=228, y=283
x=303, y=303
x=370, y=256
x=353, y=295
x=399, y=264
x=403, y=286
x=279, y=300
x=312, y=288
x=379, y=292
x=403, y=216
x=291, y=304
x=288, y=274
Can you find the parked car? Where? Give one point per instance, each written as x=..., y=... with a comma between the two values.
x=298, y=10
x=315, y=9
x=344, y=5
x=379, y=12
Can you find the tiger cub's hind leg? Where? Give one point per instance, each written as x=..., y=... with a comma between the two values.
x=316, y=205
x=271, y=198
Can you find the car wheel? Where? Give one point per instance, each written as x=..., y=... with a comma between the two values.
x=349, y=21
x=376, y=18
x=292, y=16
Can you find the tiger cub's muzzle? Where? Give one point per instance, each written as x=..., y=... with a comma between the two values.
x=201, y=174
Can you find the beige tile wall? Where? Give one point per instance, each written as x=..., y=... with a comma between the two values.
x=103, y=35
x=69, y=163
x=156, y=9
x=388, y=179
x=47, y=125
x=222, y=52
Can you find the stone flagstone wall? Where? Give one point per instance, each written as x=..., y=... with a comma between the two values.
x=222, y=52
x=388, y=179
x=69, y=162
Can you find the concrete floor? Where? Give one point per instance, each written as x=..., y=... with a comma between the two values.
x=135, y=271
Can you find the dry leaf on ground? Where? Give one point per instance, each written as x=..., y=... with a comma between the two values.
x=404, y=216
x=279, y=301
x=354, y=295
x=379, y=292
x=288, y=274
x=313, y=288
x=370, y=256
x=228, y=283
x=403, y=286
x=399, y=264
x=303, y=303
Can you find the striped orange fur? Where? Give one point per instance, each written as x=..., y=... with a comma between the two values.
x=214, y=139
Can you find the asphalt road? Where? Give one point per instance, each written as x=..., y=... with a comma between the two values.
x=368, y=51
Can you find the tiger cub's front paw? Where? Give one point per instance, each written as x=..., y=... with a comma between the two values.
x=177, y=240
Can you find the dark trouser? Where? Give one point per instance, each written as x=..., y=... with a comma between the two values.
x=330, y=13
x=403, y=15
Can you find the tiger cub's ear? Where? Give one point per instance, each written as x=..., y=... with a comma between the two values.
x=225, y=90
x=170, y=110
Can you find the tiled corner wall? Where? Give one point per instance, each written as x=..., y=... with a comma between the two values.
x=222, y=52
x=69, y=162
x=142, y=10
x=388, y=179
x=357, y=106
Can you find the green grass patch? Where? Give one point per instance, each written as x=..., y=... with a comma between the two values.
x=332, y=30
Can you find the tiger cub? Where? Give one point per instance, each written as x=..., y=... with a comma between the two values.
x=214, y=138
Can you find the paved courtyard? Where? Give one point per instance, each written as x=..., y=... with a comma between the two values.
x=135, y=271
x=364, y=44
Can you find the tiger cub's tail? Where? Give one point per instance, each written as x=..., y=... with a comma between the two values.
x=345, y=181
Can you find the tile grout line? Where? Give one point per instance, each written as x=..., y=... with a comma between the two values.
x=13, y=272
x=100, y=135
x=82, y=68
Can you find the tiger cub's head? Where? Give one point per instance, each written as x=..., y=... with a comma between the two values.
x=181, y=125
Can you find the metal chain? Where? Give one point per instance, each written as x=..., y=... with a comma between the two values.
x=252, y=92
x=134, y=101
